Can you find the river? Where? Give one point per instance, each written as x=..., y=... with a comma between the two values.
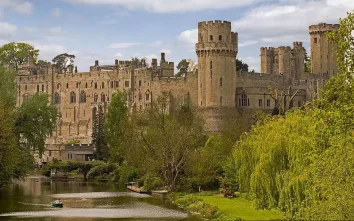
x=31, y=200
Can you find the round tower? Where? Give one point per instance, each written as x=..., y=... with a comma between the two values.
x=216, y=50
x=322, y=52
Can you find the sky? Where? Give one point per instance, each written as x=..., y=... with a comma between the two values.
x=106, y=30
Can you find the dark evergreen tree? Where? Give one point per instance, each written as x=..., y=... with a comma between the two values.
x=98, y=138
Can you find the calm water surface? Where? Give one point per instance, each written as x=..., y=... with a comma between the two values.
x=31, y=200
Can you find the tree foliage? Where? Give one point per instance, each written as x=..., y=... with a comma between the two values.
x=116, y=126
x=240, y=66
x=22, y=130
x=35, y=111
x=16, y=53
x=62, y=61
x=139, y=63
x=182, y=68
x=302, y=163
x=98, y=135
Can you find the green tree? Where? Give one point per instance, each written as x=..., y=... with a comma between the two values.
x=139, y=63
x=182, y=68
x=116, y=125
x=16, y=53
x=35, y=112
x=62, y=61
x=240, y=66
x=98, y=136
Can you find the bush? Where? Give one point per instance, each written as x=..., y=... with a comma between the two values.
x=152, y=182
x=127, y=173
x=102, y=171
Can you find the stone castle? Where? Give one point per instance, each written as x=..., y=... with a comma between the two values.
x=213, y=87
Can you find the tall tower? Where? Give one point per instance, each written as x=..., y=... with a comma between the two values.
x=323, y=59
x=216, y=50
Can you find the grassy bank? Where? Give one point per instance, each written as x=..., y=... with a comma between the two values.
x=240, y=207
x=217, y=207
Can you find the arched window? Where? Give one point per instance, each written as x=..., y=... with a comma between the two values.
x=103, y=97
x=72, y=97
x=95, y=98
x=86, y=85
x=58, y=86
x=82, y=97
x=244, y=101
x=25, y=97
x=220, y=82
x=56, y=98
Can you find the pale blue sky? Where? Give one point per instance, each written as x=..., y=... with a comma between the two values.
x=106, y=30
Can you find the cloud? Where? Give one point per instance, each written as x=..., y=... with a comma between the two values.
x=122, y=45
x=57, y=12
x=188, y=37
x=18, y=6
x=7, y=30
x=119, y=55
x=253, y=63
x=247, y=43
x=289, y=19
x=56, y=31
x=170, y=6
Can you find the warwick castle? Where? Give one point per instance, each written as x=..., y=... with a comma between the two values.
x=214, y=87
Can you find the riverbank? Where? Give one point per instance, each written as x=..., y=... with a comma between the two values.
x=217, y=207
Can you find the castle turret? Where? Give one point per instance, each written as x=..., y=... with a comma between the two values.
x=216, y=50
x=323, y=59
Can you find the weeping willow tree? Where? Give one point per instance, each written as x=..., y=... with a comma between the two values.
x=303, y=163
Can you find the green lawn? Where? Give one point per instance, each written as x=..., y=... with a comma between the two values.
x=239, y=207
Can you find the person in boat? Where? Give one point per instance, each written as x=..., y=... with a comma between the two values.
x=57, y=201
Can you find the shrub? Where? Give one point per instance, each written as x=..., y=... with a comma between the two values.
x=101, y=171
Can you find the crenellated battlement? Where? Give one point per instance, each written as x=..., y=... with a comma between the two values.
x=267, y=49
x=216, y=22
x=323, y=27
x=297, y=44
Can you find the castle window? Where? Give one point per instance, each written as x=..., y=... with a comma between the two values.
x=220, y=82
x=67, y=85
x=112, y=84
x=211, y=64
x=220, y=37
x=315, y=40
x=211, y=74
x=201, y=85
x=86, y=85
x=210, y=37
x=147, y=97
x=26, y=87
x=117, y=83
x=42, y=87
x=77, y=84
x=95, y=98
x=126, y=83
x=103, y=97
x=299, y=103
x=140, y=97
x=25, y=97
x=72, y=97
x=37, y=88
x=220, y=101
x=56, y=98
x=244, y=100
x=201, y=103
x=95, y=85
x=58, y=86
x=102, y=85
x=268, y=103
x=260, y=102
x=82, y=97
x=139, y=83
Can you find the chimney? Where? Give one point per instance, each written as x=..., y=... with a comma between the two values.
x=162, y=56
x=116, y=62
x=75, y=69
x=96, y=63
x=154, y=62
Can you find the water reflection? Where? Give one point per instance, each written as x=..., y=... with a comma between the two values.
x=31, y=200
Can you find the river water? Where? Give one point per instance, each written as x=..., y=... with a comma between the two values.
x=31, y=200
